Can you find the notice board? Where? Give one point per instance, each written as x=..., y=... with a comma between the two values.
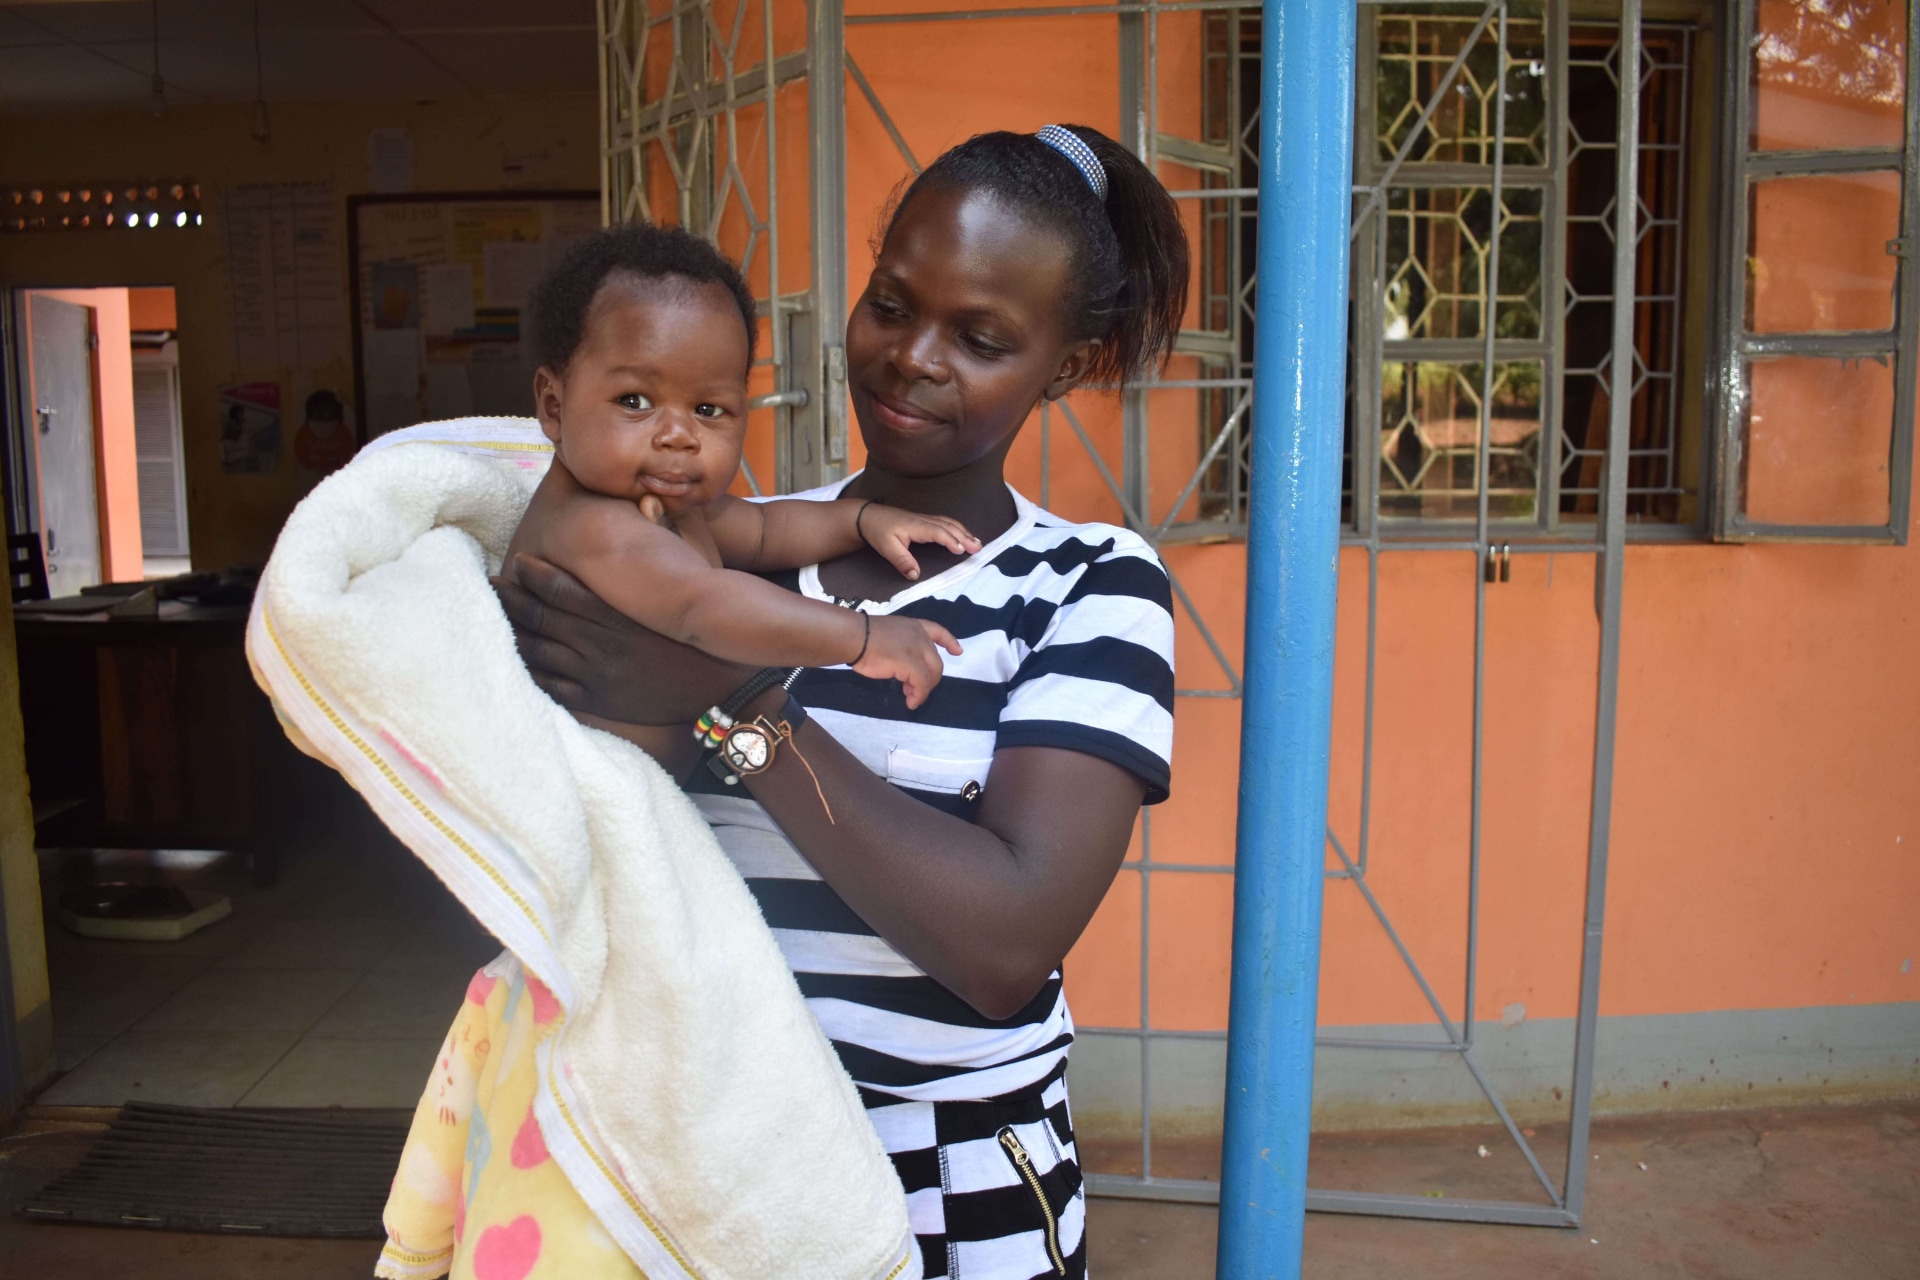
x=439, y=284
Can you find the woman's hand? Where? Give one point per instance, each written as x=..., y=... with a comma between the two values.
x=595, y=661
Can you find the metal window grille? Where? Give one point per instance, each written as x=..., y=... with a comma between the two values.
x=689, y=93
x=1446, y=260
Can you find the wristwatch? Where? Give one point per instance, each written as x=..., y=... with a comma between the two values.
x=748, y=747
x=711, y=729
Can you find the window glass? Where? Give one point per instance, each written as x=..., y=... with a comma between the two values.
x=1430, y=437
x=1817, y=259
x=1415, y=47
x=1818, y=437
x=1661, y=474
x=1438, y=241
x=1828, y=74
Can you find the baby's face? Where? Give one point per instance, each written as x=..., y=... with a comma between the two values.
x=654, y=401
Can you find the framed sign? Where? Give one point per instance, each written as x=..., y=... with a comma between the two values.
x=439, y=282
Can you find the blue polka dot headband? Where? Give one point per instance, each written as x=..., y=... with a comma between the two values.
x=1069, y=144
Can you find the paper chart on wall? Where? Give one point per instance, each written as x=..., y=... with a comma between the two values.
x=285, y=302
x=452, y=274
x=449, y=302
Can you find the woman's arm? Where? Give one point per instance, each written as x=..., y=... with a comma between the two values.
x=989, y=908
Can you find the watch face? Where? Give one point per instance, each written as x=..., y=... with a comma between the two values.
x=747, y=749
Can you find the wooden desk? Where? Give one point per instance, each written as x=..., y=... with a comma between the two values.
x=150, y=732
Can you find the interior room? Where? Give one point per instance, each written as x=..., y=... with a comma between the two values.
x=224, y=229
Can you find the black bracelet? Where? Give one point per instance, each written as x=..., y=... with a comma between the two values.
x=858, y=532
x=865, y=640
x=757, y=683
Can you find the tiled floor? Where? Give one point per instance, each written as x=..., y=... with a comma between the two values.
x=332, y=988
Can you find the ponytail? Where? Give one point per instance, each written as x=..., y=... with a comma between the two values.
x=1127, y=260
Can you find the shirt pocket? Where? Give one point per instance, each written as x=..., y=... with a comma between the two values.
x=942, y=775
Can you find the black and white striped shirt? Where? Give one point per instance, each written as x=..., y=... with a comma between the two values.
x=1068, y=632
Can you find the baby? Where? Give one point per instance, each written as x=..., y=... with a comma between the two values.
x=644, y=336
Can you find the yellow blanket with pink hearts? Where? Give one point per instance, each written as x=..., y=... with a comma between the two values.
x=641, y=1068
x=478, y=1192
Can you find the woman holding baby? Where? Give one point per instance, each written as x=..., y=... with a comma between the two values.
x=926, y=869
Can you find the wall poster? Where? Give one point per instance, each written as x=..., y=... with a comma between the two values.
x=250, y=428
x=438, y=286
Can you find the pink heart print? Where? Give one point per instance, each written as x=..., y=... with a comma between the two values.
x=509, y=1252
x=529, y=1147
x=545, y=1007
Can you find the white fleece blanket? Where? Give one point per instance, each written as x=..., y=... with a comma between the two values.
x=687, y=1093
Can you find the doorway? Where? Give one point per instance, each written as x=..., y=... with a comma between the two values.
x=289, y=952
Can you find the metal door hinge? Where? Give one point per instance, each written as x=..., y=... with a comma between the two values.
x=1899, y=246
x=1499, y=566
x=834, y=404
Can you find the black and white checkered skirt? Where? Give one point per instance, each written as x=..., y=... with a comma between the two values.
x=993, y=1186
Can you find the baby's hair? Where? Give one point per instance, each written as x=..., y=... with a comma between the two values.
x=1127, y=267
x=557, y=306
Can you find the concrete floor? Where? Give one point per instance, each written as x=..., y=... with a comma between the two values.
x=334, y=987
x=1812, y=1194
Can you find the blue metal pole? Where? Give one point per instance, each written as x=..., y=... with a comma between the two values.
x=1306, y=172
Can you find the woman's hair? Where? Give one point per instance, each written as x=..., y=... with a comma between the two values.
x=557, y=305
x=1127, y=264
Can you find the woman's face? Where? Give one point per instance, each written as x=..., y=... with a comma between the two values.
x=958, y=335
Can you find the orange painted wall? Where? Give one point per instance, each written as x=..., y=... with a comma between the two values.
x=118, y=479
x=152, y=309
x=1766, y=848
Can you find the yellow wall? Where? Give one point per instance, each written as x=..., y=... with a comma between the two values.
x=458, y=146
x=20, y=877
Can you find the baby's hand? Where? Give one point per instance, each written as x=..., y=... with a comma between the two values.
x=904, y=649
x=891, y=531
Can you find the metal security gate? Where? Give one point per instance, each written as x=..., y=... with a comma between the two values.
x=689, y=92
x=682, y=83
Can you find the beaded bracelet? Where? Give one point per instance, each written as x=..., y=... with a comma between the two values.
x=711, y=728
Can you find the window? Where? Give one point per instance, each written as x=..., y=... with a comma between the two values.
x=1768, y=289
x=1820, y=347
x=1483, y=267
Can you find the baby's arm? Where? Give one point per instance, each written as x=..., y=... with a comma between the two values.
x=654, y=578
x=790, y=533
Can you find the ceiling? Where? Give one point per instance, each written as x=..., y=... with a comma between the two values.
x=60, y=55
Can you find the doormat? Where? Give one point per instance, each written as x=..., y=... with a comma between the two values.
x=314, y=1174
